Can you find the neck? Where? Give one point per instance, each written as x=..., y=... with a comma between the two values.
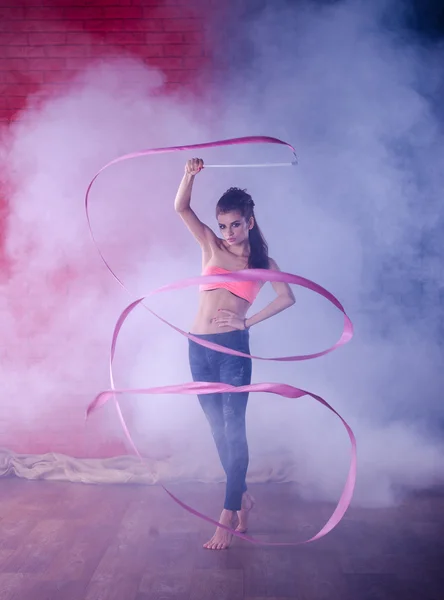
x=240, y=249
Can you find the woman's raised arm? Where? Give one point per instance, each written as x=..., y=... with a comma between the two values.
x=203, y=234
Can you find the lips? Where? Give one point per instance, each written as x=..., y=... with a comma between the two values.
x=230, y=239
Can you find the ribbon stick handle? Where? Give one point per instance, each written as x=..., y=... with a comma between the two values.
x=290, y=164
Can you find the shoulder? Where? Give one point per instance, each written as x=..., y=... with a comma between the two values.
x=219, y=243
x=272, y=264
x=214, y=248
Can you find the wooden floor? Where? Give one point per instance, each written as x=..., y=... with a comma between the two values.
x=76, y=542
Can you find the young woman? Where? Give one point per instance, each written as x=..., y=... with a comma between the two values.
x=221, y=318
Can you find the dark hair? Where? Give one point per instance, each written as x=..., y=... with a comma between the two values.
x=239, y=200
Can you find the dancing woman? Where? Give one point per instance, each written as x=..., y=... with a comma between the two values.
x=221, y=318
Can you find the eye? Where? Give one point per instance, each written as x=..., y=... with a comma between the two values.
x=221, y=226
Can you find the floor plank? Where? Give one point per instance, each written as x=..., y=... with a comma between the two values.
x=63, y=541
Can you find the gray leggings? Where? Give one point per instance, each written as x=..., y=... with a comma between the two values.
x=226, y=412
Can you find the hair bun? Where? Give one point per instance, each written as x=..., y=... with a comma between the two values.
x=242, y=195
x=235, y=199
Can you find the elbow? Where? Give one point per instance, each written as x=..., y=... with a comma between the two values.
x=288, y=300
x=181, y=209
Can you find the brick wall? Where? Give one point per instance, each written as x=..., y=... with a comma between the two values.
x=43, y=43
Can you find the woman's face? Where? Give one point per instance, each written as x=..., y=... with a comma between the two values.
x=233, y=227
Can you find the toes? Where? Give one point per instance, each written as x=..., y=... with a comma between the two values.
x=218, y=542
x=211, y=544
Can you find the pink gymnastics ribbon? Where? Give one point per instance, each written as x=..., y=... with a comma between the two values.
x=198, y=387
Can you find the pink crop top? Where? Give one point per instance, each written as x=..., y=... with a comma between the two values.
x=248, y=290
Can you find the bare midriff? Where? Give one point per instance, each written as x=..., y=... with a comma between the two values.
x=210, y=301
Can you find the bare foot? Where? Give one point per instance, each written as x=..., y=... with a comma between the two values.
x=222, y=538
x=248, y=503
